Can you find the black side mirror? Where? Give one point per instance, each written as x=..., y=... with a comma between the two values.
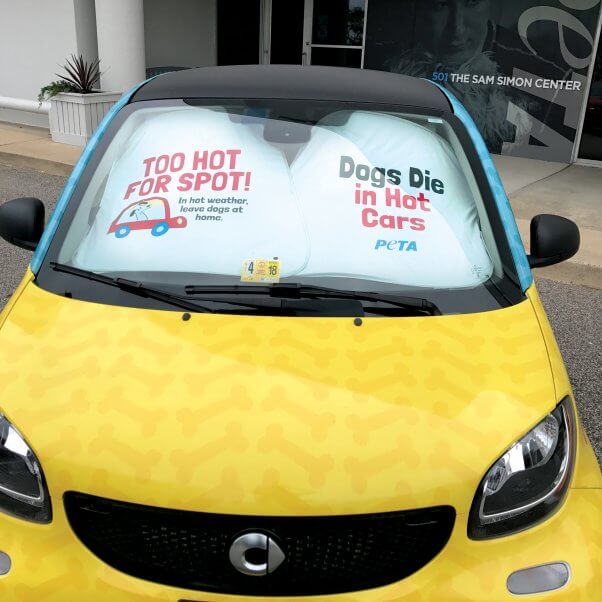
x=22, y=222
x=553, y=239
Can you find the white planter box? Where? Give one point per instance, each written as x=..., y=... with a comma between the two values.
x=74, y=117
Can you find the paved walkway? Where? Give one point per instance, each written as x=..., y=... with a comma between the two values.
x=573, y=191
x=24, y=146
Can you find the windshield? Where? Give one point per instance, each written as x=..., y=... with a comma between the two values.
x=193, y=194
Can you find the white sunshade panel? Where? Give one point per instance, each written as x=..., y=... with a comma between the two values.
x=261, y=219
x=403, y=229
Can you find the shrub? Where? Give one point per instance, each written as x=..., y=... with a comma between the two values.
x=80, y=76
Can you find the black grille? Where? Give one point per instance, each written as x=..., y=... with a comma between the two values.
x=324, y=554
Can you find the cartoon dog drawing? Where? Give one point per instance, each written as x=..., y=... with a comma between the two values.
x=147, y=214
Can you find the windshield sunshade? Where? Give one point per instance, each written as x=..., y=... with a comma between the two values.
x=223, y=190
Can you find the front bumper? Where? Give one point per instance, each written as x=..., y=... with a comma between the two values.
x=50, y=564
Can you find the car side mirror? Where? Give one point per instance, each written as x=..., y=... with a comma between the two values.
x=553, y=239
x=22, y=222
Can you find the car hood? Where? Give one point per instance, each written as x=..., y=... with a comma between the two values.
x=269, y=415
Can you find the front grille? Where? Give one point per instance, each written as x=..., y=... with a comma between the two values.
x=323, y=555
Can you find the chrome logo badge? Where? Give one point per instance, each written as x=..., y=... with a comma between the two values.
x=255, y=554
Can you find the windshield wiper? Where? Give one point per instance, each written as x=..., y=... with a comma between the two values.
x=278, y=291
x=298, y=291
x=131, y=286
x=285, y=307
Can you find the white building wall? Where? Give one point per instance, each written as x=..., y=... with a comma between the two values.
x=35, y=38
x=180, y=33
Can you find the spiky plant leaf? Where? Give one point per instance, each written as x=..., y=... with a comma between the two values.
x=81, y=74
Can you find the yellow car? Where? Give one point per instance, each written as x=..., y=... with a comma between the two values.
x=280, y=340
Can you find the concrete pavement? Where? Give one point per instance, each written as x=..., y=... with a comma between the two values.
x=32, y=148
x=574, y=191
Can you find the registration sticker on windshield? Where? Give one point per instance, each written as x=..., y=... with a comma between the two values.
x=260, y=270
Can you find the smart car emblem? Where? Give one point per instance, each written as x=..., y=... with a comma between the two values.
x=255, y=554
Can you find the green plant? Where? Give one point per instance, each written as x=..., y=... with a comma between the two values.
x=80, y=76
x=54, y=88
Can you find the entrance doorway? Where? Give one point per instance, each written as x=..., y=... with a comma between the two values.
x=291, y=32
x=313, y=32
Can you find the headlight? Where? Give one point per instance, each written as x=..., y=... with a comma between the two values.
x=529, y=481
x=23, y=491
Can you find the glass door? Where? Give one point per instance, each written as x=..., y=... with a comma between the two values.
x=316, y=32
x=337, y=29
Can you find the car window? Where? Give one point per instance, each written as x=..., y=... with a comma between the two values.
x=350, y=196
x=358, y=194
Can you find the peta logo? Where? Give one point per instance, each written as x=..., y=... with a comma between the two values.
x=396, y=245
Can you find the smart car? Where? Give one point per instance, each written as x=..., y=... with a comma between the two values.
x=337, y=382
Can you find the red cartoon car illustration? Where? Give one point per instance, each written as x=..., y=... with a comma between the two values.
x=148, y=214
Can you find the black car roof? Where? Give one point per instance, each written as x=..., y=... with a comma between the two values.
x=295, y=82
